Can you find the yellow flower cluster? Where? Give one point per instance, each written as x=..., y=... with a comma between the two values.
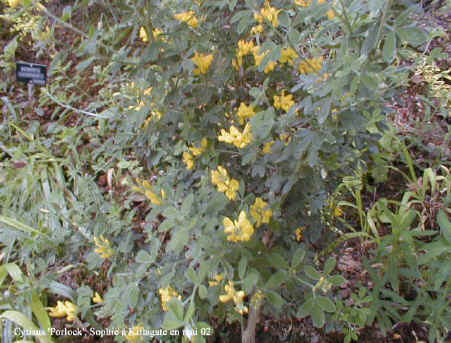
x=133, y=335
x=311, y=66
x=284, y=102
x=147, y=190
x=257, y=29
x=303, y=3
x=188, y=18
x=66, y=309
x=167, y=294
x=244, y=48
x=240, y=230
x=203, y=62
x=299, y=233
x=188, y=156
x=268, y=13
x=338, y=212
x=13, y=3
x=225, y=184
x=143, y=34
x=267, y=147
x=97, y=299
x=288, y=55
x=258, y=57
x=261, y=213
x=245, y=112
x=237, y=297
x=103, y=247
x=235, y=137
x=216, y=280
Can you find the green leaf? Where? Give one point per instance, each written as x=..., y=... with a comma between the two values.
x=412, y=35
x=277, y=261
x=176, y=307
x=445, y=225
x=242, y=267
x=371, y=39
x=144, y=257
x=305, y=309
x=262, y=123
x=21, y=320
x=239, y=15
x=18, y=225
x=276, y=279
x=284, y=19
x=203, y=292
x=389, y=51
x=275, y=299
x=318, y=317
x=14, y=271
x=63, y=290
x=192, y=275
x=298, y=257
x=325, y=303
x=39, y=311
x=171, y=322
x=330, y=265
x=250, y=280
x=312, y=273
x=336, y=280
x=190, y=312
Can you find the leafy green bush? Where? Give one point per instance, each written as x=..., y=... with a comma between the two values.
x=245, y=113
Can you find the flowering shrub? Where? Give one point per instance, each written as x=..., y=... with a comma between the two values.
x=260, y=104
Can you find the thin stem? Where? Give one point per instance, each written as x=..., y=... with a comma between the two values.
x=54, y=99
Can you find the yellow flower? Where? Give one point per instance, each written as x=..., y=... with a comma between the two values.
x=147, y=91
x=331, y=14
x=143, y=35
x=260, y=211
x=321, y=1
x=134, y=334
x=147, y=190
x=220, y=178
x=338, y=212
x=240, y=230
x=311, y=66
x=235, y=137
x=97, y=299
x=137, y=107
x=244, y=48
x=103, y=247
x=283, y=101
x=66, y=309
x=303, y=3
x=245, y=112
x=288, y=55
x=267, y=147
x=285, y=138
x=299, y=232
x=257, y=29
x=188, y=160
x=270, y=67
x=167, y=294
x=13, y=3
x=217, y=279
x=199, y=151
x=202, y=62
x=156, y=33
x=257, y=56
x=187, y=17
x=237, y=297
x=59, y=311
x=268, y=13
